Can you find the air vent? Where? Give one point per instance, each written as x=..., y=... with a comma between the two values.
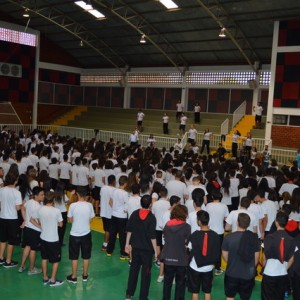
x=10, y=70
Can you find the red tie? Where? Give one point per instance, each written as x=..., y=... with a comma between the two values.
x=281, y=250
x=204, y=246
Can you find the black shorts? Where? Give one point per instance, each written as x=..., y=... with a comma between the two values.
x=158, y=237
x=96, y=193
x=32, y=239
x=51, y=251
x=106, y=224
x=257, y=118
x=190, y=140
x=239, y=286
x=83, y=243
x=197, y=279
x=139, y=123
x=182, y=127
x=9, y=231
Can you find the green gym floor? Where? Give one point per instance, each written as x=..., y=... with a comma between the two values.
x=107, y=280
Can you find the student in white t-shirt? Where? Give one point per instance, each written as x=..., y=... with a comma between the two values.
x=258, y=114
x=44, y=161
x=177, y=188
x=65, y=171
x=182, y=125
x=10, y=203
x=218, y=212
x=106, y=209
x=165, y=119
x=198, y=200
x=231, y=220
x=32, y=231
x=192, y=134
x=80, y=215
x=97, y=176
x=140, y=118
x=179, y=110
x=53, y=170
x=34, y=158
x=134, y=201
x=50, y=218
x=83, y=176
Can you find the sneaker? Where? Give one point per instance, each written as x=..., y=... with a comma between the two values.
x=57, y=282
x=85, y=278
x=34, y=271
x=2, y=261
x=124, y=257
x=71, y=279
x=108, y=254
x=160, y=278
x=21, y=269
x=45, y=281
x=218, y=272
x=10, y=265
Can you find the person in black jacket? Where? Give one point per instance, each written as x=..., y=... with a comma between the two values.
x=141, y=242
x=204, y=245
x=174, y=254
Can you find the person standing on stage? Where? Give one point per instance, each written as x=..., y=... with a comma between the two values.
x=206, y=140
x=179, y=111
x=197, y=110
x=140, y=118
x=234, y=145
x=258, y=114
x=165, y=123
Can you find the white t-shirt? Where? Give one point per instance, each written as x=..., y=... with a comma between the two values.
x=287, y=187
x=233, y=217
x=9, y=198
x=32, y=207
x=105, y=195
x=164, y=219
x=83, y=173
x=217, y=214
x=49, y=217
x=192, y=220
x=65, y=169
x=82, y=212
x=177, y=188
x=140, y=116
x=75, y=170
x=62, y=205
x=158, y=209
x=99, y=175
x=53, y=171
x=179, y=107
x=206, y=136
x=256, y=210
x=134, y=203
x=183, y=120
x=259, y=110
x=120, y=203
x=165, y=119
x=34, y=160
x=234, y=185
x=192, y=133
x=197, y=108
x=44, y=163
x=226, y=198
x=269, y=208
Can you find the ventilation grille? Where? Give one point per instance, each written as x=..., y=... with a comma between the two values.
x=10, y=70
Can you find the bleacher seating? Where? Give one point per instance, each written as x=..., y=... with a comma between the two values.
x=124, y=120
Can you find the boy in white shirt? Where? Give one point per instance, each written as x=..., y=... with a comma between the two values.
x=10, y=203
x=134, y=201
x=50, y=219
x=119, y=204
x=32, y=231
x=80, y=215
x=106, y=209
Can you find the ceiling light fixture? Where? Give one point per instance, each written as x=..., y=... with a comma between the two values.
x=143, y=40
x=26, y=13
x=87, y=6
x=222, y=33
x=169, y=4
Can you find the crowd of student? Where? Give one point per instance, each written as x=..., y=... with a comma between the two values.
x=171, y=206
